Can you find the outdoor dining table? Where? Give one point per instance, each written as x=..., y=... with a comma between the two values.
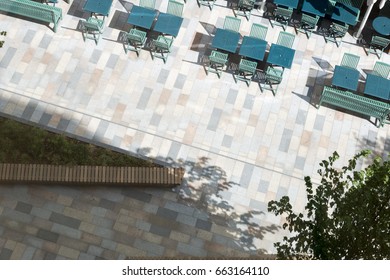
x=345, y=77
x=287, y=3
x=168, y=24
x=98, y=7
x=226, y=40
x=281, y=56
x=315, y=7
x=377, y=86
x=142, y=17
x=382, y=25
x=345, y=13
x=253, y=48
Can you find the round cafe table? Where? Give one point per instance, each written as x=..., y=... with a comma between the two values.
x=382, y=25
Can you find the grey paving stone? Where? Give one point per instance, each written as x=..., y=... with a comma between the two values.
x=162, y=77
x=167, y=213
x=94, y=251
x=103, y=222
x=301, y=117
x=45, y=119
x=258, y=206
x=174, y=150
x=281, y=192
x=180, y=80
x=161, y=231
x=155, y=120
x=7, y=58
x=47, y=235
x=107, y=204
x=67, y=231
x=191, y=250
x=63, y=124
x=286, y=139
x=103, y=232
x=29, y=36
x=109, y=244
x=300, y=162
x=65, y=220
x=50, y=256
x=143, y=101
x=101, y=130
x=5, y=254
x=40, y=212
x=180, y=208
x=249, y=100
x=45, y=42
x=185, y=219
x=319, y=122
x=112, y=61
x=33, y=241
x=29, y=110
x=149, y=247
x=137, y=194
x=95, y=56
x=98, y=211
x=17, y=216
x=23, y=207
x=53, y=206
x=28, y=253
x=201, y=224
x=246, y=174
x=214, y=119
x=142, y=225
x=85, y=256
x=16, y=77
x=232, y=96
x=151, y=208
x=227, y=141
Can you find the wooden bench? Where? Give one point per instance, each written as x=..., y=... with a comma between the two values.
x=357, y=103
x=61, y=174
x=33, y=10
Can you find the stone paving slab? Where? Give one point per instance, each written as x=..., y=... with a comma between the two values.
x=240, y=147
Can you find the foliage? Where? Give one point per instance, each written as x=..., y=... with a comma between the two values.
x=21, y=143
x=347, y=215
x=2, y=33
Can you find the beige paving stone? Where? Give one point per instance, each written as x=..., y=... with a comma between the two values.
x=178, y=236
x=68, y=252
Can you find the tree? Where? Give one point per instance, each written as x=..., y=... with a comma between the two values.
x=346, y=217
x=2, y=33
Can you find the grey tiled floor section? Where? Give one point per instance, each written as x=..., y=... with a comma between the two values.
x=240, y=147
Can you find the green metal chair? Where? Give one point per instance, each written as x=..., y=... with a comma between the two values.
x=273, y=76
x=286, y=39
x=378, y=43
x=246, y=71
x=350, y=60
x=281, y=17
x=92, y=28
x=175, y=8
x=162, y=47
x=336, y=32
x=151, y=4
x=245, y=7
x=135, y=40
x=308, y=24
x=258, y=31
x=217, y=62
x=232, y=23
x=381, y=69
x=208, y=3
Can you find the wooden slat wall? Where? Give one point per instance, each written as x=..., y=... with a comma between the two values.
x=43, y=173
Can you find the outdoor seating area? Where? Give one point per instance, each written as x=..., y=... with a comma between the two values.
x=230, y=99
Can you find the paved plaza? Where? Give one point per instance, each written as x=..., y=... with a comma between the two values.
x=240, y=147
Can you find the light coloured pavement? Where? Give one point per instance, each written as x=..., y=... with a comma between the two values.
x=240, y=147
